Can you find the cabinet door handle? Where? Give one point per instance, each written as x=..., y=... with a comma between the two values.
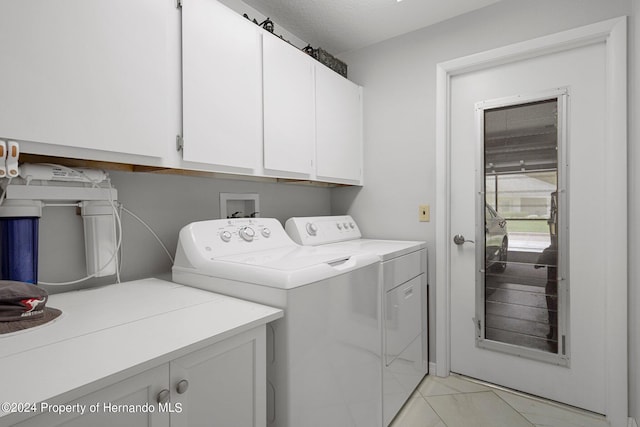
x=182, y=386
x=163, y=396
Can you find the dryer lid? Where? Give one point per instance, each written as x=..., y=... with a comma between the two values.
x=385, y=249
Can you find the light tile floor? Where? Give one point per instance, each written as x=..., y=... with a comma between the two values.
x=456, y=401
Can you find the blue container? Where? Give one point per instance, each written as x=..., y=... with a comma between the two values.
x=19, y=249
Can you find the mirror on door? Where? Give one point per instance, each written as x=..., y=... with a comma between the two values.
x=520, y=288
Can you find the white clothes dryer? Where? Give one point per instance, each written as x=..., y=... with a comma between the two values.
x=324, y=356
x=403, y=271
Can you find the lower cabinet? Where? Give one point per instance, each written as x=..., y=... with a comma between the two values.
x=223, y=385
x=101, y=408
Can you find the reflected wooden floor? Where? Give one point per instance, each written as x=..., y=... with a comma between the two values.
x=516, y=305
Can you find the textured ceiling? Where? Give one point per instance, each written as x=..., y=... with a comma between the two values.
x=340, y=26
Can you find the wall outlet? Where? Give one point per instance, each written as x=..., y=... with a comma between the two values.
x=424, y=214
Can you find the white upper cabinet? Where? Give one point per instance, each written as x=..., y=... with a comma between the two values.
x=289, y=107
x=222, y=86
x=118, y=80
x=339, y=128
x=89, y=74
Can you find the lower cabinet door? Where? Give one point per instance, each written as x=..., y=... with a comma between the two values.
x=223, y=385
x=129, y=403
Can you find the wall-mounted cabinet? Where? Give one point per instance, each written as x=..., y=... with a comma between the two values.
x=86, y=74
x=338, y=127
x=247, y=93
x=121, y=81
x=289, y=107
x=222, y=86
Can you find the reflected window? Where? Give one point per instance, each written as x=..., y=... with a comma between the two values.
x=521, y=175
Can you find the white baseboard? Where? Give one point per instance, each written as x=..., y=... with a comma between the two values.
x=632, y=422
x=432, y=370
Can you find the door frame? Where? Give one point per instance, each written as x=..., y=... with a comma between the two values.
x=613, y=33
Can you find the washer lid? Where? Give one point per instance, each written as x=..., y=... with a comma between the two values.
x=283, y=268
x=289, y=258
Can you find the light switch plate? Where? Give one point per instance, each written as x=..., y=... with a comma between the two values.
x=424, y=214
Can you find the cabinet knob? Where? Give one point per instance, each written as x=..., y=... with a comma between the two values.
x=182, y=386
x=163, y=396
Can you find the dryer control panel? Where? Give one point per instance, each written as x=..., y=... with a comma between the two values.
x=320, y=230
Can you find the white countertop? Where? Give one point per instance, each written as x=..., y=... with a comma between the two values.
x=117, y=329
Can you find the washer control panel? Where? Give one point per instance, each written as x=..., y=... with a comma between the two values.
x=220, y=237
x=320, y=230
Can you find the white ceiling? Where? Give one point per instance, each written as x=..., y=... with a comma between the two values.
x=340, y=26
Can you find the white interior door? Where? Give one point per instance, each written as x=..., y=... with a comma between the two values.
x=576, y=376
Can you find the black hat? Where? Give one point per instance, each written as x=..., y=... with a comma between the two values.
x=23, y=306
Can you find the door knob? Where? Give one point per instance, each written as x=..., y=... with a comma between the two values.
x=459, y=239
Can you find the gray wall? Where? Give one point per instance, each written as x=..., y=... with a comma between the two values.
x=399, y=76
x=166, y=203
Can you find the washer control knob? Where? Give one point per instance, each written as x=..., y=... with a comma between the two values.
x=225, y=236
x=345, y=225
x=339, y=226
x=312, y=229
x=247, y=234
x=352, y=225
x=266, y=232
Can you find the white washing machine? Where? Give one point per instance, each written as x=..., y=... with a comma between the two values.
x=403, y=271
x=324, y=355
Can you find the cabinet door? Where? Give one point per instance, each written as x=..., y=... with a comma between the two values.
x=89, y=74
x=226, y=383
x=112, y=403
x=289, y=111
x=339, y=127
x=222, y=86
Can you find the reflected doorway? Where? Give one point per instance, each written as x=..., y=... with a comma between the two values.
x=521, y=175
